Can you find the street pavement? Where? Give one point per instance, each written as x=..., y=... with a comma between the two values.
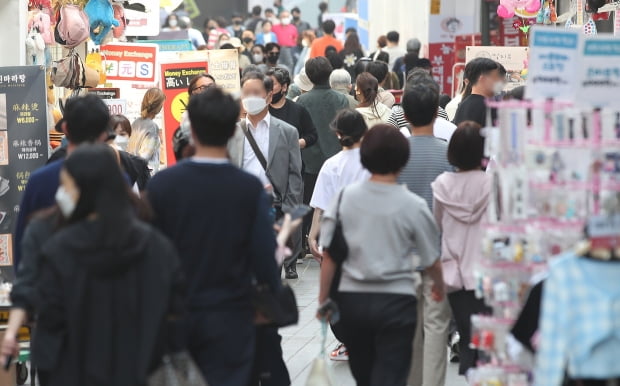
x=301, y=343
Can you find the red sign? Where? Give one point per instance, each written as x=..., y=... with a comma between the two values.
x=130, y=62
x=175, y=79
x=441, y=56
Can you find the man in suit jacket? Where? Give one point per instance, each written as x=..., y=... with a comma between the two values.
x=277, y=141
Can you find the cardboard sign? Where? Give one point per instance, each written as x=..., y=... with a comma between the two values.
x=175, y=79
x=130, y=62
x=600, y=71
x=554, y=63
x=224, y=66
x=23, y=143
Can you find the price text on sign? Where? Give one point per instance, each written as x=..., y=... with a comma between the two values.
x=116, y=106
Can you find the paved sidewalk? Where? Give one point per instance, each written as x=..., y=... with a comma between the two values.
x=301, y=343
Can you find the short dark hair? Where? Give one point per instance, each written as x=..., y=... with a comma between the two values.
x=383, y=57
x=329, y=27
x=257, y=10
x=419, y=76
x=385, y=150
x=122, y=120
x=271, y=46
x=86, y=118
x=466, y=148
x=257, y=75
x=295, y=10
x=214, y=115
x=192, y=83
x=281, y=74
x=318, y=70
x=393, y=36
x=351, y=126
x=420, y=104
x=323, y=6
x=410, y=59
x=379, y=70
x=334, y=59
x=269, y=10
x=422, y=63
x=477, y=68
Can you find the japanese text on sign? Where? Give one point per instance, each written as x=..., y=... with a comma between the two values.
x=180, y=78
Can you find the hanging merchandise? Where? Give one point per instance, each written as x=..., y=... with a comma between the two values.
x=35, y=47
x=101, y=16
x=508, y=8
x=70, y=72
x=95, y=62
x=119, y=14
x=73, y=26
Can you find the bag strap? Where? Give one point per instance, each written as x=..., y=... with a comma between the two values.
x=338, y=205
x=259, y=155
x=323, y=336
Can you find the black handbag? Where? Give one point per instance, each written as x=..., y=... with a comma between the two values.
x=275, y=309
x=338, y=248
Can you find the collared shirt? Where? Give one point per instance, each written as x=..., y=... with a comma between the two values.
x=251, y=164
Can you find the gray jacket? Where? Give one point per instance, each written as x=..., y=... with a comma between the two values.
x=283, y=160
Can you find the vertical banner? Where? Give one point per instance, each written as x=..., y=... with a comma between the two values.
x=224, y=66
x=175, y=78
x=24, y=143
x=599, y=80
x=554, y=63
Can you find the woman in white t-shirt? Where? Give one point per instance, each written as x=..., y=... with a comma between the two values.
x=337, y=172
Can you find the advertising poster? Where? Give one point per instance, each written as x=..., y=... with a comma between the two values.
x=175, y=78
x=600, y=71
x=441, y=56
x=134, y=63
x=512, y=58
x=142, y=17
x=342, y=21
x=171, y=45
x=224, y=66
x=554, y=63
x=23, y=144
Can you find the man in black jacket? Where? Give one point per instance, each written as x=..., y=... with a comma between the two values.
x=218, y=216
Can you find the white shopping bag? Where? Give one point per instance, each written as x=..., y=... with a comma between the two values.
x=319, y=375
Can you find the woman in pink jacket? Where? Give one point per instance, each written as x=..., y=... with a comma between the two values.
x=460, y=205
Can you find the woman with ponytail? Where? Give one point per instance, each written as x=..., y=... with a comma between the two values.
x=367, y=92
x=145, y=140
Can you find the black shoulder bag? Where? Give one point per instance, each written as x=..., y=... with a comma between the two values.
x=338, y=250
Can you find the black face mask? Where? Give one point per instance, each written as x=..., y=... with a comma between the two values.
x=247, y=40
x=275, y=98
x=273, y=58
x=237, y=22
x=296, y=18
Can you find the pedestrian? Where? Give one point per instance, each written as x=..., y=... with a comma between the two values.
x=461, y=200
x=172, y=23
x=485, y=79
x=393, y=49
x=367, y=91
x=322, y=11
x=94, y=276
x=377, y=298
x=340, y=81
x=381, y=72
x=266, y=35
x=381, y=44
x=351, y=53
x=269, y=149
x=273, y=51
x=337, y=172
x=287, y=39
x=443, y=128
x=206, y=224
x=217, y=28
x=302, y=26
x=258, y=55
x=328, y=39
x=121, y=128
x=307, y=38
x=413, y=52
x=255, y=19
x=427, y=161
x=145, y=141
x=323, y=104
x=236, y=28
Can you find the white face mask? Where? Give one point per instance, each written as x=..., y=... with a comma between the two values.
x=498, y=87
x=65, y=202
x=258, y=58
x=172, y=23
x=286, y=21
x=121, y=141
x=254, y=105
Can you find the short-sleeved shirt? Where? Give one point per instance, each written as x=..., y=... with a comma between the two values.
x=382, y=223
x=337, y=172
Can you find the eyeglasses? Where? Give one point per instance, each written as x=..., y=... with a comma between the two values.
x=199, y=90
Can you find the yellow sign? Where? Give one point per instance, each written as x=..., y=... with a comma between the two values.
x=435, y=7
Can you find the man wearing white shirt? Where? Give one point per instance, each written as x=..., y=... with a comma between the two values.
x=251, y=163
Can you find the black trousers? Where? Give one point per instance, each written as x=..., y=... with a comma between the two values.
x=378, y=329
x=222, y=343
x=309, y=183
x=464, y=304
x=269, y=368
